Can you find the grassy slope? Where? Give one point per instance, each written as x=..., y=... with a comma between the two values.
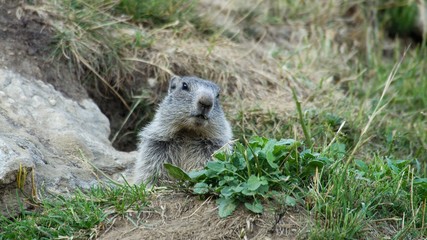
x=335, y=59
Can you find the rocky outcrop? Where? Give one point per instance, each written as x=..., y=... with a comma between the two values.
x=56, y=137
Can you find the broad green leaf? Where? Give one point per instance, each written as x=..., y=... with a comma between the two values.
x=237, y=189
x=254, y=207
x=271, y=159
x=278, y=178
x=246, y=191
x=285, y=145
x=263, y=189
x=338, y=150
x=362, y=165
x=421, y=184
x=263, y=180
x=239, y=148
x=307, y=155
x=227, y=192
x=238, y=162
x=420, y=181
x=216, y=166
x=262, y=156
x=325, y=160
x=290, y=201
x=253, y=183
x=221, y=155
x=257, y=141
x=397, y=165
x=310, y=169
x=230, y=167
x=197, y=174
x=269, y=146
x=289, y=142
x=176, y=172
x=260, y=190
x=228, y=180
x=268, y=152
x=226, y=206
x=201, y=188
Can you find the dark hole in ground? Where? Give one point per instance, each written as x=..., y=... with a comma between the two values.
x=124, y=126
x=27, y=42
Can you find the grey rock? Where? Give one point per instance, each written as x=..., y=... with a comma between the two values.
x=56, y=137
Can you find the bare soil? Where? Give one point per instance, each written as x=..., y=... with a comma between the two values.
x=24, y=48
x=182, y=216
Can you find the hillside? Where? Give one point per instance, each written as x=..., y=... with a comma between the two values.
x=342, y=83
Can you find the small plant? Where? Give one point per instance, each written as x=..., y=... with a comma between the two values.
x=264, y=169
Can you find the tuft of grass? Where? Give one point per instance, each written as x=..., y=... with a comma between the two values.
x=91, y=38
x=81, y=216
x=157, y=11
x=397, y=128
x=399, y=17
x=357, y=201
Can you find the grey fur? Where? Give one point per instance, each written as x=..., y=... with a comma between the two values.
x=187, y=128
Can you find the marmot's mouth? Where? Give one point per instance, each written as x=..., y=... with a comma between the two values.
x=202, y=116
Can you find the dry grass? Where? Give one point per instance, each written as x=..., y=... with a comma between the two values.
x=292, y=54
x=265, y=54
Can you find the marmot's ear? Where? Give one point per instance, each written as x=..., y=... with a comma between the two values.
x=173, y=83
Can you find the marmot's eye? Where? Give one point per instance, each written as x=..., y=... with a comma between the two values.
x=184, y=86
x=173, y=87
x=217, y=96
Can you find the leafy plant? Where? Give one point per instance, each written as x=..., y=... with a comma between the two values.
x=264, y=169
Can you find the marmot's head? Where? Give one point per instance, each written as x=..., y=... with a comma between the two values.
x=193, y=104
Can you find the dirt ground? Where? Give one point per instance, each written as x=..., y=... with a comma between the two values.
x=181, y=216
x=24, y=48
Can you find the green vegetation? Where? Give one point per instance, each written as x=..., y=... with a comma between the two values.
x=157, y=12
x=264, y=169
x=399, y=17
x=356, y=200
x=347, y=200
x=79, y=216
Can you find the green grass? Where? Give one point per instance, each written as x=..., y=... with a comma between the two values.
x=401, y=124
x=157, y=12
x=79, y=216
x=398, y=17
x=354, y=201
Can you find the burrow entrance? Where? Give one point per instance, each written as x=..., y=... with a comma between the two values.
x=26, y=48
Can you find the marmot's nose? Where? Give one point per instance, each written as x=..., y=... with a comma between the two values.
x=205, y=102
